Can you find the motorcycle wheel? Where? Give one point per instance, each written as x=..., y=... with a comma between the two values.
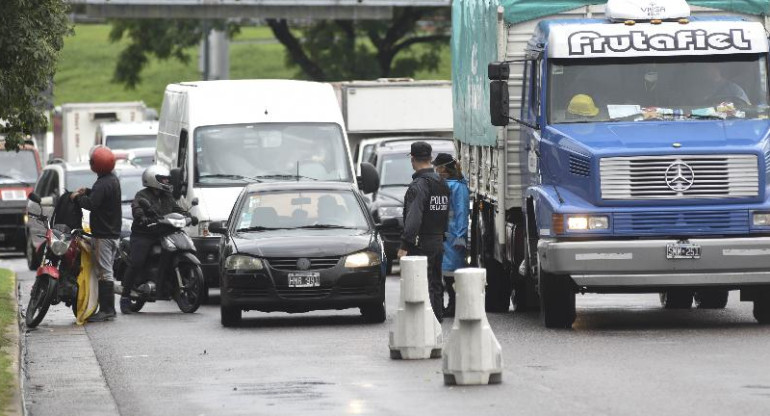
x=190, y=295
x=43, y=291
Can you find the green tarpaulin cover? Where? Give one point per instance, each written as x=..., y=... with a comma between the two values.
x=474, y=40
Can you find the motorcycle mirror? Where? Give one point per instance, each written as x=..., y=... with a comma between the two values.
x=34, y=197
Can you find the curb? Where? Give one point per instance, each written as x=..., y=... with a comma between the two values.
x=22, y=350
x=16, y=406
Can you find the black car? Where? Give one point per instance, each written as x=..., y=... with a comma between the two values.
x=300, y=246
x=395, y=168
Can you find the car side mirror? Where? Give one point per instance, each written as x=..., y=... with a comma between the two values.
x=388, y=223
x=46, y=201
x=176, y=182
x=369, y=181
x=34, y=197
x=218, y=227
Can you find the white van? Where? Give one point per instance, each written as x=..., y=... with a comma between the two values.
x=127, y=135
x=218, y=136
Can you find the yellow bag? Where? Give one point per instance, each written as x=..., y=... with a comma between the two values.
x=88, y=285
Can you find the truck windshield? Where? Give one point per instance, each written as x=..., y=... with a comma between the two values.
x=396, y=169
x=234, y=154
x=658, y=88
x=18, y=167
x=130, y=142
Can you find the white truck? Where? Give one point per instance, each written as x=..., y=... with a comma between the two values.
x=127, y=136
x=75, y=125
x=376, y=110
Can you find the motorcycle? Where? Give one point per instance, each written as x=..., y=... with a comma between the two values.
x=57, y=276
x=172, y=270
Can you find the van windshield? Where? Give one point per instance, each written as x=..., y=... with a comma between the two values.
x=235, y=154
x=128, y=142
x=658, y=88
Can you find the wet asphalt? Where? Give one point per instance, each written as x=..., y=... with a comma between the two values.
x=625, y=355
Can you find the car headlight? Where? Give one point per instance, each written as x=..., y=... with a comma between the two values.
x=587, y=222
x=761, y=219
x=362, y=259
x=243, y=263
x=390, y=212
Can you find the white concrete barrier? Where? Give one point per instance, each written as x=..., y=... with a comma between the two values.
x=472, y=354
x=415, y=333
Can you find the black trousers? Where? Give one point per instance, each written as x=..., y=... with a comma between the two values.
x=432, y=247
x=140, y=251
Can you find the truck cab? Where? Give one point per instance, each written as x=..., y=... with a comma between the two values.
x=642, y=159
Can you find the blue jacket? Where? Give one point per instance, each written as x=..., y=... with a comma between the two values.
x=457, y=230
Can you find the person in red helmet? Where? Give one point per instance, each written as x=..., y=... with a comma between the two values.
x=103, y=202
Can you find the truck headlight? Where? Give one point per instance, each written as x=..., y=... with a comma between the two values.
x=243, y=263
x=390, y=212
x=362, y=259
x=586, y=222
x=761, y=219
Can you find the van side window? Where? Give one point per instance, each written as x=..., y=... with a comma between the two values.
x=182, y=159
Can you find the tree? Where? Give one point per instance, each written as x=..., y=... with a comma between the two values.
x=31, y=37
x=322, y=51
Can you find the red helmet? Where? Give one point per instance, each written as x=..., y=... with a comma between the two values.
x=102, y=160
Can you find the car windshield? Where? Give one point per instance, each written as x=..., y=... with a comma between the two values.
x=18, y=167
x=658, y=88
x=128, y=142
x=79, y=179
x=130, y=184
x=396, y=169
x=238, y=153
x=300, y=209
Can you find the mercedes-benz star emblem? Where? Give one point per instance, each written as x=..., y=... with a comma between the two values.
x=679, y=176
x=303, y=264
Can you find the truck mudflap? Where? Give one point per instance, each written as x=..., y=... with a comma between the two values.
x=664, y=262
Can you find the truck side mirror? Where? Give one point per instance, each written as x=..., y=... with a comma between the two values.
x=176, y=182
x=499, y=103
x=369, y=181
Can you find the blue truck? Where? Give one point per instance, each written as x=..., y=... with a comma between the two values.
x=615, y=148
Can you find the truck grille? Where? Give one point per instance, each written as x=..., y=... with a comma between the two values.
x=682, y=223
x=679, y=177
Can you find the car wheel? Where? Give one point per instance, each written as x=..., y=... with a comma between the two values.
x=557, y=300
x=375, y=313
x=676, y=299
x=711, y=298
x=230, y=316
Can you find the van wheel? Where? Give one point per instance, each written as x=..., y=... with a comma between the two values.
x=557, y=300
x=711, y=298
x=230, y=316
x=676, y=299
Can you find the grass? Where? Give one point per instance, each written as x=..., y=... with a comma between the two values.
x=88, y=60
x=7, y=317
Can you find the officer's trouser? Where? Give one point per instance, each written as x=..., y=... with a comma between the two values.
x=433, y=248
x=140, y=251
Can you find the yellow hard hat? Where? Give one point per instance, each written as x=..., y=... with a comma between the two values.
x=582, y=105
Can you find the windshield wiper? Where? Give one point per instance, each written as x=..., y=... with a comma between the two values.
x=226, y=176
x=706, y=117
x=326, y=226
x=260, y=228
x=285, y=176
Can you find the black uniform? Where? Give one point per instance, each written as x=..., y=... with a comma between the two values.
x=103, y=200
x=142, y=236
x=426, y=213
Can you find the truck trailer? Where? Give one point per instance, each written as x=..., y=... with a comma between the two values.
x=615, y=148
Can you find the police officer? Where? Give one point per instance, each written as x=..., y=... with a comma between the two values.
x=426, y=212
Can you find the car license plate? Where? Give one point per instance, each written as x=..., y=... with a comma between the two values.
x=304, y=279
x=682, y=251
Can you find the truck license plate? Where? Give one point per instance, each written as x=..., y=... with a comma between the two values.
x=682, y=251
x=304, y=279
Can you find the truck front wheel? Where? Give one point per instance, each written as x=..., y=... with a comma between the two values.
x=676, y=299
x=557, y=300
x=711, y=298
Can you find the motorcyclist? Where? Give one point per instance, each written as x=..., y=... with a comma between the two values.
x=157, y=196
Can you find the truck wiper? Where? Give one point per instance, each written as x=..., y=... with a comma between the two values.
x=706, y=117
x=285, y=176
x=230, y=176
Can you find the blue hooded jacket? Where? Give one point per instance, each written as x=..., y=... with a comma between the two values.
x=457, y=230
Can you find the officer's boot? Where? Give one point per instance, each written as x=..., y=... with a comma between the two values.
x=106, y=302
x=449, y=282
